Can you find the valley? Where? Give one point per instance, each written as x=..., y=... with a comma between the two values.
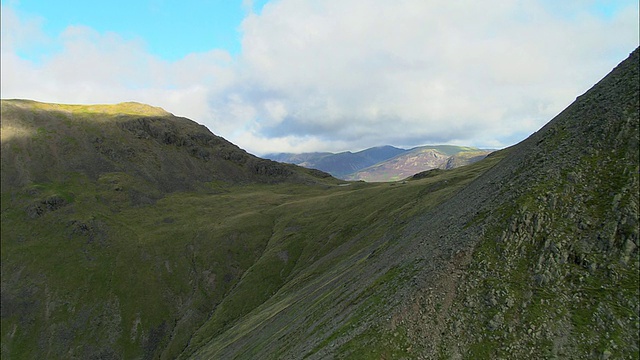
x=131, y=233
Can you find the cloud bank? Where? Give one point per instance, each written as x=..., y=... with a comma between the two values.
x=346, y=74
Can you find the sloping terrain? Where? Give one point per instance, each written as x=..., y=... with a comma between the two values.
x=537, y=257
x=531, y=252
x=112, y=248
x=47, y=142
x=102, y=214
x=465, y=158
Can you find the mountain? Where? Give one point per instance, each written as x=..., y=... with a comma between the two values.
x=466, y=158
x=340, y=164
x=47, y=142
x=383, y=163
x=417, y=160
x=92, y=197
x=531, y=252
x=535, y=256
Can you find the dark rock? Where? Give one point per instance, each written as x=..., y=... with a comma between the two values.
x=42, y=207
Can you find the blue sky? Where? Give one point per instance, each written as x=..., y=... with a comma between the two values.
x=332, y=75
x=170, y=29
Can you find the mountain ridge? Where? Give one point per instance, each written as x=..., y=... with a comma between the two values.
x=417, y=160
x=119, y=138
x=384, y=163
x=341, y=163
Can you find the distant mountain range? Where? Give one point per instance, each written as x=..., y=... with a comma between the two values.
x=384, y=163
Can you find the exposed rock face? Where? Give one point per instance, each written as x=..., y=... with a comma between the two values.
x=402, y=166
x=340, y=164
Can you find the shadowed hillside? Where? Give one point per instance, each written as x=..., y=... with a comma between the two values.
x=97, y=201
x=529, y=253
x=48, y=142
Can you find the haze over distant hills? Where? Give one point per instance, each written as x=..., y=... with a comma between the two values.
x=384, y=163
x=130, y=233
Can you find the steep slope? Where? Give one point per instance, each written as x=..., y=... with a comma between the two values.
x=535, y=258
x=555, y=271
x=108, y=248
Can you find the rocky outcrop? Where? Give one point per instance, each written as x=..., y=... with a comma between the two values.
x=554, y=232
x=535, y=258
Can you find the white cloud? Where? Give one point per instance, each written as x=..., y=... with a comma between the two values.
x=92, y=67
x=348, y=74
x=373, y=72
x=17, y=32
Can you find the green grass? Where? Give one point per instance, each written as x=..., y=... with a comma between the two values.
x=126, y=108
x=199, y=271
x=125, y=265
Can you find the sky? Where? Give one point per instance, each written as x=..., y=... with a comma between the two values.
x=331, y=75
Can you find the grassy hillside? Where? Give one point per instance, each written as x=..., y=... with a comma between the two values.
x=136, y=246
x=103, y=211
x=128, y=233
x=47, y=142
x=535, y=256
x=86, y=273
